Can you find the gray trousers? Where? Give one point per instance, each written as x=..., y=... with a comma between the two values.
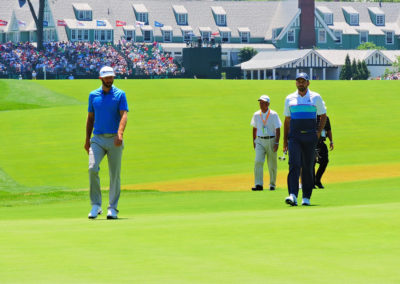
x=265, y=147
x=101, y=145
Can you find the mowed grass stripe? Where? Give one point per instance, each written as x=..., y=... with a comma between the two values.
x=224, y=247
x=185, y=129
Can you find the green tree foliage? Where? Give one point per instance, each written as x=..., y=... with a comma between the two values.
x=345, y=73
x=354, y=70
x=369, y=45
x=247, y=53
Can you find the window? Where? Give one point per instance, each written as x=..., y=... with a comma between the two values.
x=338, y=35
x=205, y=36
x=167, y=36
x=147, y=36
x=225, y=36
x=244, y=36
x=182, y=19
x=79, y=35
x=221, y=20
x=389, y=37
x=88, y=15
x=49, y=35
x=363, y=36
x=275, y=33
x=81, y=15
x=380, y=20
x=130, y=35
x=103, y=35
x=187, y=36
x=328, y=18
x=322, y=36
x=291, y=36
x=354, y=19
x=84, y=15
x=142, y=17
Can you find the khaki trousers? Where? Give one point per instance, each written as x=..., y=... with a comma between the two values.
x=265, y=147
x=101, y=145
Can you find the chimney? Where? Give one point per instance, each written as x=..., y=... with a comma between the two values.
x=307, y=27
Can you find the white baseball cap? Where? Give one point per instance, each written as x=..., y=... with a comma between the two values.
x=264, y=98
x=106, y=71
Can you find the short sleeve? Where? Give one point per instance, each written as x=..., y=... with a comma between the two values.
x=123, y=104
x=90, y=104
x=278, y=122
x=253, y=121
x=321, y=109
x=286, y=110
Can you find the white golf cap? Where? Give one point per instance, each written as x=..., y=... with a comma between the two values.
x=106, y=71
x=264, y=98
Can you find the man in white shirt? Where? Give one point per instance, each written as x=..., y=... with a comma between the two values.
x=301, y=136
x=266, y=133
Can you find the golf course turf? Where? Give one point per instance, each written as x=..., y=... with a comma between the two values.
x=187, y=214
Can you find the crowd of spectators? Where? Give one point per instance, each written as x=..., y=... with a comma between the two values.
x=149, y=59
x=392, y=76
x=85, y=58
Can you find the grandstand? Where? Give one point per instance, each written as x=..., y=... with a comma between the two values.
x=264, y=25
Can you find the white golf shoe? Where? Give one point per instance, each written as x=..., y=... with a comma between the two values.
x=112, y=213
x=291, y=200
x=306, y=202
x=96, y=210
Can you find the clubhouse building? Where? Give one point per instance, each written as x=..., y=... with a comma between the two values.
x=289, y=35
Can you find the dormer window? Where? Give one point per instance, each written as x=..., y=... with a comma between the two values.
x=83, y=11
x=221, y=20
x=351, y=15
x=181, y=14
x=219, y=15
x=328, y=18
x=377, y=16
x=354, y=19
x=141, y=13
x=182, y=19
x=326, y=14
x=380, y=20
x=244, y=34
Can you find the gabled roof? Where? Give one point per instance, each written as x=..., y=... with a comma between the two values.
x=179, y=9
x=324, y=9
x=218, y=10
x=140, y=8
x=349, y=10
x=82, y=6
x=376, y=10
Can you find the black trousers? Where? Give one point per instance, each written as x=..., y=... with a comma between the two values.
x=322, y=159
x=301, y=159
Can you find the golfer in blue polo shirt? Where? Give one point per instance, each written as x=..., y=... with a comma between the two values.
x=107, y=117
x=301, y=136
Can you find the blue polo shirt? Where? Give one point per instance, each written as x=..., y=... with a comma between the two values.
x=106, y=109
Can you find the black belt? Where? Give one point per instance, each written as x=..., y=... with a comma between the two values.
x=265, y=137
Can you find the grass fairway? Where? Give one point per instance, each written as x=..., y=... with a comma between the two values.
x=191, y=132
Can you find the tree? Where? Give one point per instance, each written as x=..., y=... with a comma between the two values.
x=360, y=71
x=366, y=72
x=369, y=45
x=246, y=53
x=345, y=73
x=354, y=71
x=396, y=64
x=38, y=20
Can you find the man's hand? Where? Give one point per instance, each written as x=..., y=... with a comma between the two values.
x=118, y=139
x=331, y=146
x=318, y=134
x=285, y=146
x=87, y=146
x=276, y=146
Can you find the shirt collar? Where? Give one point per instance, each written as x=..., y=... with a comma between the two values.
x=306, y=96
